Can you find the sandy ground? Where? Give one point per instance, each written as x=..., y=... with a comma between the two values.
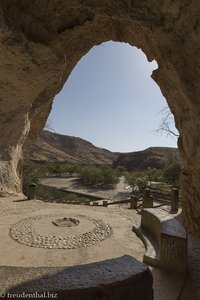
x=122, y=240
x=167, y=286
x=15, y=257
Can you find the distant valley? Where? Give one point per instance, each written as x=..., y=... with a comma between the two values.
x=53, y=147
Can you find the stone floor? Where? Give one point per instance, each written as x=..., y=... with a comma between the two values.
x=102, y=234
x=32, y=245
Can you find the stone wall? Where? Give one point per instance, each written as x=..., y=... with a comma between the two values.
x=114, y=279
x=41, y=42
x=168, y=238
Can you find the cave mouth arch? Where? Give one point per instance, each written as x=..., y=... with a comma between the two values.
x=110, y=100
x=41, y=44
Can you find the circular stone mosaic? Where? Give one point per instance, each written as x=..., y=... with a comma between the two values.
x=41, y=232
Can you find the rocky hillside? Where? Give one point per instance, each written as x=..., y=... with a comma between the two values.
x=155, y=157
x=53, y=147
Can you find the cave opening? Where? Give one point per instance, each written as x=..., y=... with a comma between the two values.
x=111, y=100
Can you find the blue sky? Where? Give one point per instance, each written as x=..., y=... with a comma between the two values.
x=111, y=100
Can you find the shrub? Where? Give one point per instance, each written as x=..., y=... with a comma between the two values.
x=137, y=181
x=32, y=173
x=98, y=176
x=172, y=173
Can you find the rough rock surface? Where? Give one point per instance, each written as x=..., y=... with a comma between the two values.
x=41, y=42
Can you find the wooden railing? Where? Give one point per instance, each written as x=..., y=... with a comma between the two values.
x=148, y=198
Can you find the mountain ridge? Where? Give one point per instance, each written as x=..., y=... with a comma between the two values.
x=54, y=147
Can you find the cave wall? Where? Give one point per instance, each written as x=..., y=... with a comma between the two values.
x=41, y=42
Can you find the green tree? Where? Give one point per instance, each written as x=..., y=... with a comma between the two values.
x=55, y=168
x=153, y=174
x=109, y=176
x=120, y=170
x=69, y=168
x=61, y=167
x=137, y=180
x=98, y=175
x=32, y=173
x=171, y=173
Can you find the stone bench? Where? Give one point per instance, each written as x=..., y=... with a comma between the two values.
x=114, y=279
x=165, y=239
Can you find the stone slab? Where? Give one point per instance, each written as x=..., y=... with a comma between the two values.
x=111, y=279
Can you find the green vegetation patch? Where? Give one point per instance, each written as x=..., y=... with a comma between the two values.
x=101, y=176
x=51, y=194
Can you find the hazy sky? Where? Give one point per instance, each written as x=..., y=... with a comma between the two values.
x=111, y=100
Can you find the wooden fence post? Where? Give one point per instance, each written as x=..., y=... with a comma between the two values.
x=133, y=202
x=174, y=200
x=147, y=200
x=105, y=203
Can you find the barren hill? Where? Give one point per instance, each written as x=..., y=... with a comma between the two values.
x=53, y=147
x=155, y=157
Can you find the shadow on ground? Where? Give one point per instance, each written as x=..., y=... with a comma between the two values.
x=120, y=278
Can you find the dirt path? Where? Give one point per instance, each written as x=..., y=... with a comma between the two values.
x=122, y=190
